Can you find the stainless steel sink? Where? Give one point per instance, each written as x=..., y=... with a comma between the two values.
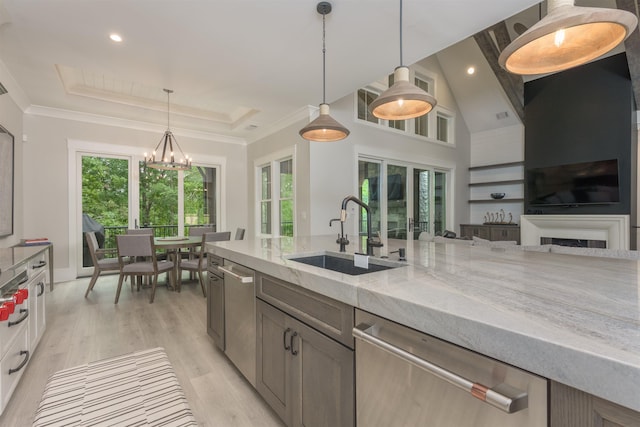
x=343, y=263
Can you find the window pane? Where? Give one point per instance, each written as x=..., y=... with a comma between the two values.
x=286, y=218
x=424, y=85
x=266, y=182
x=199, y=197
x=397, y=124
x=105, y=199
x=286, y=179
x=443, y=128
x=159, y=200
x=365, y=98
x=265, y=217
x=421, y=201
x=370, y=189
x=396, y=202
x=440, y=202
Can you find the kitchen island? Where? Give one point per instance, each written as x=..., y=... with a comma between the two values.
x=574, y=320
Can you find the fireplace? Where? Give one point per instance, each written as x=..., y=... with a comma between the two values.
x=613, y=231
x=574, y=243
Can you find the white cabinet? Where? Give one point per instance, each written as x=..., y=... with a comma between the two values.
x=37, y=319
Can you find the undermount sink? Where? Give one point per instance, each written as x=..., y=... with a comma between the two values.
x=343, y=263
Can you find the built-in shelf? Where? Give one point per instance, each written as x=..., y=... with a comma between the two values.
x=497, y=201
x=498, y=165
x=511, y=181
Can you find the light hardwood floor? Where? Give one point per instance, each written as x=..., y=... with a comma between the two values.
x=80, y=330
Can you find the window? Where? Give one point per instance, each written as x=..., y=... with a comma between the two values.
x=443, y=126
x=265, y=200
x=436, y=125
x=365, y=98
x=276, y=197
x=421, y=124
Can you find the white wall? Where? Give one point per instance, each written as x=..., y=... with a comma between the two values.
x=45, y=173
x=504, y=145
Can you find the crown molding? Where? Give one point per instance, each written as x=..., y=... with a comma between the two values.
x=57, y=113
x=14, y=90
x=306, y=112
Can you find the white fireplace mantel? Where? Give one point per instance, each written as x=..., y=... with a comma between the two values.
x=614, y=229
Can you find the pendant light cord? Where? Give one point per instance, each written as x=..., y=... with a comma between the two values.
x=324, y=101
x=401, y=63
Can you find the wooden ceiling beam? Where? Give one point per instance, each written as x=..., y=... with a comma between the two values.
x=512, y=84
x=632, y=47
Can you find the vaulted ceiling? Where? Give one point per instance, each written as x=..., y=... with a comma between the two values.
x=240, y=67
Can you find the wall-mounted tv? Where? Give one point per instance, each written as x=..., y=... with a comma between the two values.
x=574, y=184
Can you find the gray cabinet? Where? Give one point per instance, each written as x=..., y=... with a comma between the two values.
x=215, y=301
x=493, y=232
x=569, y=407
x=305, y=356
x=305, y=376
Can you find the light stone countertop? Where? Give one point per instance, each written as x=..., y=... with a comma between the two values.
x=573, y=319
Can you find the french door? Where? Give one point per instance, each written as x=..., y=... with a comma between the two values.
x=117, y=192
x=405, y=199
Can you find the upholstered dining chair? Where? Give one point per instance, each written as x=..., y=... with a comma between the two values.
x=140, y=231
x=100, y=263
x=137, y=257
x=199, y=264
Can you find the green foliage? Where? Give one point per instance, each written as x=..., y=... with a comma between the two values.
x=158, y=196
x=105, y=194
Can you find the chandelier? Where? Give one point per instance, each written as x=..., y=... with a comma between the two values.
x=165, y=158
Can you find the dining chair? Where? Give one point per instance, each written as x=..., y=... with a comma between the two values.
x=239, y=233
x=100, y=263
x=140, y=231
x=137, y=257
x=199, y=264
x=194, y=232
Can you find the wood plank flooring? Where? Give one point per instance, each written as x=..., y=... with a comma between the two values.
x=80, y=330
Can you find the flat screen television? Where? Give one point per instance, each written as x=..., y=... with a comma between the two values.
x=574, y=184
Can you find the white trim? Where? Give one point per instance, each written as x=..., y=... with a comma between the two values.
x=274, y=160
x=614, y=229
x=306, y=112
x=14, y=90
x=77, y=148
x=57, y=113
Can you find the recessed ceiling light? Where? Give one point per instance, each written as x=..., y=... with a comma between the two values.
x=115, y=37
x=471, y=71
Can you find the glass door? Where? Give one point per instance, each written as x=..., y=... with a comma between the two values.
x=104, y=202
x=405, y=200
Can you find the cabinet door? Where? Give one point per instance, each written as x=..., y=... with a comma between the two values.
x=510, y=233
x=37, y=321
x=322, y=379
x=215, y=310
x=273, y=340
x=471, y=230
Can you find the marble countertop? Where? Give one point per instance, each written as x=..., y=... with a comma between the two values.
x=573, y=319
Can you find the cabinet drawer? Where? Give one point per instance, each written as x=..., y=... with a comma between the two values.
x=37, y=264
x=480, y=231
x=213, y=262
x=9, y=329
x=13, y=363
x=327, y=315
x=511, y=233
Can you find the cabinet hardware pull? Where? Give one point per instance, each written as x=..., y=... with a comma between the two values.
x=20, y=320
x=517, y=400
x=41, y=264
x=243, y=279
x=24, y=362
x=25, y=280
x=284, y=338
x=293, y=352
x=41, y=284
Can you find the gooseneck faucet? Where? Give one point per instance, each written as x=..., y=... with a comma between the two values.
x=343, y=217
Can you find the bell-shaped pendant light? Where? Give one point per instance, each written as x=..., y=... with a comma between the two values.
x=324, y=128
x=403, y=100
x=566, y=37
x=170, y=149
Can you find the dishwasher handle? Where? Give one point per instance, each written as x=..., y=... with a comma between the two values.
x=503, y=396
x=241, y=278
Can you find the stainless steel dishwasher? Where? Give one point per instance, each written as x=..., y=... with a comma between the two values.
x=240, y=318
x=407, y=378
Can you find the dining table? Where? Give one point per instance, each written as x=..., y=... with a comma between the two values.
x=172, y=245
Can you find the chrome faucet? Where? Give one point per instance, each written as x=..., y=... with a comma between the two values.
x=371, y=243
x=342, y=240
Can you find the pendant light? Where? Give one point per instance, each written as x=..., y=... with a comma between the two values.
x=167, y=160
x=403, y=100
x=324, y=128
x=566, y=37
